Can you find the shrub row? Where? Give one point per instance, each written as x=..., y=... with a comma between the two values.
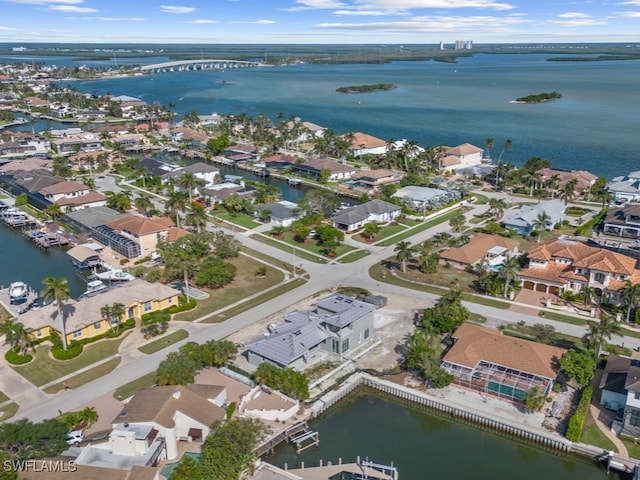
x=576, y=422
x=74, y=348
x=15, y=358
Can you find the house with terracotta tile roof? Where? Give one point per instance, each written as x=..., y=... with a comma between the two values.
x=463, y=156
x=375, y=178
x=492, y=249
x=74, y=195
x=484, y=360
x=280, y=160
x=364, y=144
x=584, y=179
x=141, y=234
x=566, y=265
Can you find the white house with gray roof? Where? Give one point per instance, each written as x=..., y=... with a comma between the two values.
x=523, y=220
x=626, y=188
x=282, y=213
x=337, y=326
x=419, y=197
x=375, y=211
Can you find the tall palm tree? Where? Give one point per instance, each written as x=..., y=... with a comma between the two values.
x=497, y=206
x=630, y=297
x=196, y=217
x=540, y=223
x=117, y=311
x=588, y=293
x=143, y=203
x=15, y=334
x=508, y=145
x=457, y=222
x=175, y=205
x=190, y=183
x=53, y=211
x=598, y=331
x=57, y=289
x=404, y=252
x=510, y=271
x=489, y=143
x=568, y=191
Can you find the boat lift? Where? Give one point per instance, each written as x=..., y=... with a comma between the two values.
x=302, y=439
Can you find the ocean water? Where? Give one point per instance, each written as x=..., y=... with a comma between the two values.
x=593, y=127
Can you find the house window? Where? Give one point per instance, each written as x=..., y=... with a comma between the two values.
x=114, y=320
x=130, y=313
x=345, y=345
x=335, y=346
x=97, y=325
x=147, y=306
x=634, y=418
x=599, y=277
x=77, y=334
x=39, y=332
x=366, y=334
x=636, y=395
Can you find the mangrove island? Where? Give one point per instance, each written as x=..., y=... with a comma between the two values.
x=367, y=88
x=539, y=98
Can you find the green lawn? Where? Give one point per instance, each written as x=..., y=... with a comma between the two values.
x=310, y=245
x=563, y=318
x=354, y=256
x=3, y=397
x=244, y=285
x=8, y=411
x=164, y=342
x=380, y=273
x=594, y=436
x=241, y=219
x=85, y=377
x=632, y=448
x=44, y=368
x=420, y=228
x=282, y=246
x=480, y=199
x=267, y=259
x=271, y=294
x=129, y=389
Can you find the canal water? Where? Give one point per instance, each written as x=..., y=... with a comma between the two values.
x=23, y=261
x=425, y=446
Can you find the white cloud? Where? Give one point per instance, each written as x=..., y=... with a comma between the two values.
x=587, y=22
x=72, y=9
x=202, y=21
x=573, y=15
x=113, y=19
x=630, y=2
x=176, y=9
x=45, y=2
x=397, y=5
x=264, y=22
x=367, y=13
x=629, y=14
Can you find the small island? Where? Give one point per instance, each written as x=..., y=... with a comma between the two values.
x=367, y=88
x=539, y=98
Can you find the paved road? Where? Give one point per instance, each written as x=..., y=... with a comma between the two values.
x=321, y=277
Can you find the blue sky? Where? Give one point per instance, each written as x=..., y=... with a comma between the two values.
x=320, y=21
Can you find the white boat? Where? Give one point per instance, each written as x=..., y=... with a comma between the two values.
x=115, y=276
x=93, y=287
x=18, y=291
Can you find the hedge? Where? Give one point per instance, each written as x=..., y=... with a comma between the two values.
x=16, y=359
x=74, y=348
x=576, y=422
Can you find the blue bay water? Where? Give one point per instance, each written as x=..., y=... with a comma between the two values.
x=593, y=127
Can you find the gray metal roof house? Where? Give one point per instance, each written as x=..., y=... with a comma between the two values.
x=375, y=211
x=523, y=220
x=337, y=326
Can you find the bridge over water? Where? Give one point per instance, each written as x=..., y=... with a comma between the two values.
x=203, y=64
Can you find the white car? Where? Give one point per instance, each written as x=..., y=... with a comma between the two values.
x=75, y=437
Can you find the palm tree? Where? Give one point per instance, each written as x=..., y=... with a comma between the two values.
x=15, y=335
x=532, y=180
x=508, y=145
x=598, y=331
x=588, y=293
x=143, y=203
x=196, y=217
x=568, y=191
x=176, y=203
x=510, y=271
x=57, y=289
x=404, y=252
x=540, y=223
x=457, y=222
x=105, y=311
x=533, y=399
x=607, y=196
x=497, y=206
x=190, y=182
x=631, y=296
x=53, y=211
x=117, y=311
x=489, y=143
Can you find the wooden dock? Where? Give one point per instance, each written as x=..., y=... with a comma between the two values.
x=286, y=435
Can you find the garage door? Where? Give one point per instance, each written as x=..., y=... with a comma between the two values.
x=527, y=285
x=541, y=287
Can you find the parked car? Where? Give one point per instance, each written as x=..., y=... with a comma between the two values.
x=75, y=438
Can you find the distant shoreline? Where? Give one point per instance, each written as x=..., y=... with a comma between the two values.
x=378, y=87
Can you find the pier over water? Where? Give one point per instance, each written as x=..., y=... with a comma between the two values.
x=202, y=64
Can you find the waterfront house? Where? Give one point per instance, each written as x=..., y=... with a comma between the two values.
x=620, y=391
x=280, y=160
x=623, y=222
x=583, y=179
x=155, y=167
x=313, y=168
x=626, y=188
x=564, y=265
x=145, y=232
x=220, y=191
x=494, y=250
x=338, y=326
x=363, y=144
x=420, y=198
x=374, y=211
x=176, y=412
x=83, y=318
x=73, y=195
x=374, y=179
x=91, y=217
x=267, y=405
x=24, y=144
x=463, y=156
x=524, y=219
x=35, y=180
x=484, y=360
x=282, y=213
x=202, y=171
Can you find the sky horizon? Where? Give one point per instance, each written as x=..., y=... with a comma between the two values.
x=320, y=21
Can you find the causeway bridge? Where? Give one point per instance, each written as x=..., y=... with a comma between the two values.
x=202, y=64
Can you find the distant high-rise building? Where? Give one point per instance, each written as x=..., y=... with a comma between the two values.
x=441, y=45
x=464, y=44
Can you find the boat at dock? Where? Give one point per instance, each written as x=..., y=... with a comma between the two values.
x=18, y=292
x=94, y=287
x=115, y=276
